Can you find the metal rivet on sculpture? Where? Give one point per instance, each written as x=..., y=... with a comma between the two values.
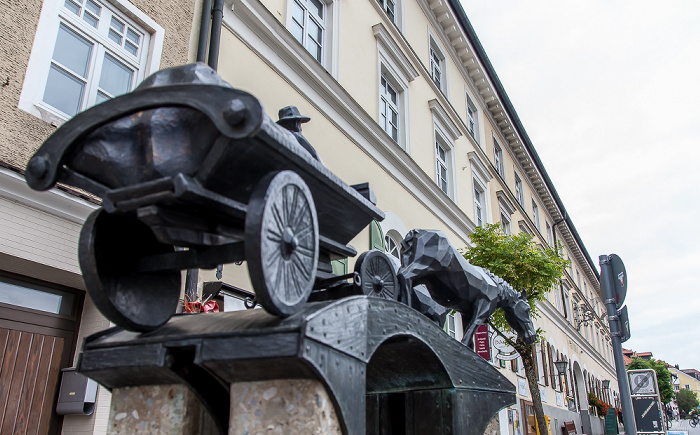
x=428, y=258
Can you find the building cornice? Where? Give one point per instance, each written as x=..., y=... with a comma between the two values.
x=475, y=63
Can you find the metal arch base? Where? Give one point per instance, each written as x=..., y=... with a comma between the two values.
x=370, y=353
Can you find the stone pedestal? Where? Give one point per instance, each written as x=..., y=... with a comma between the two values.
x=163, y=409
x=283, y=406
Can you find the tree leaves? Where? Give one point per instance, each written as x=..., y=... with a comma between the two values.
x=519, y=260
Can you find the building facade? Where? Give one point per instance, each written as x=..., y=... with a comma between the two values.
x=401, y=94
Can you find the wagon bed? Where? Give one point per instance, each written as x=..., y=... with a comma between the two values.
x=187, y=161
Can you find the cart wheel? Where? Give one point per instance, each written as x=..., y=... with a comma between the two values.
x=281, y=242
x=109, y=247
x=376, y=275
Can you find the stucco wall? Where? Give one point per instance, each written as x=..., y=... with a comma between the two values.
x=21, y=133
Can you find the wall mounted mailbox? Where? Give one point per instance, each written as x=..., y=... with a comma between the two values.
x=77, y=394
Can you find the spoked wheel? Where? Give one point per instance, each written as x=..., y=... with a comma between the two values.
x=375, y=275
x=281, y=242
x=110, y=246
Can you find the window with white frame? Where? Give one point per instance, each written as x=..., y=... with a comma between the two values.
x=548, y=230
x=506, y=223
x=445, y=133
x=86, y=52
x=498, y=158
x=507, y=209
x=396, y=71
x=535, y=214
x=472, y=119
x=389, y=108
x=389, y=7
x=392, y=246
x=480, y=179
x=578, y=278
x=96, y=53
x=450, y=324
x=478, y=204
x=441, y=166
x=308, y=25
x=437, y=66
x=519, y=194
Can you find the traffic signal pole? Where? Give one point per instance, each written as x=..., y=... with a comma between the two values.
x=608, y=286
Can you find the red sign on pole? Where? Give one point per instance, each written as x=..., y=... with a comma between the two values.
x=481, y=342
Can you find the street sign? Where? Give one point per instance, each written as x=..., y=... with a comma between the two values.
x=481, y=342
x=647, y=415
x=620, y=279
x=624, y=324
x=642, y=382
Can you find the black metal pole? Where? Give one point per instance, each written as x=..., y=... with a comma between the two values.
x=217, y=15
x=607, y=285
x=203, y=31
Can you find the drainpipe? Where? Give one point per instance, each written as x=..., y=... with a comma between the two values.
x=203, y=31
x=217, y=15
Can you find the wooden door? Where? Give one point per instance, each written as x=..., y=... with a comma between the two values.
x=30, y=367
x=37, y=340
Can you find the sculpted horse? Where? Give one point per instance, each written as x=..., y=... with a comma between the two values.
x=428, y=258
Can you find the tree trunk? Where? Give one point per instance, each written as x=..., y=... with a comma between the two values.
x=525, y=352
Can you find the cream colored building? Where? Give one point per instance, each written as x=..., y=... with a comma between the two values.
x=401, y=95
x=685, y=379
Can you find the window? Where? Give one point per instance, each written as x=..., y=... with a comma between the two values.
x=445, y=133
x=389, y=6
x=450, y=324
x=389, y=108
x=86, y=52
x=437, y=66
x=498, y=158
x=441, y=167
x=548, y=230
x=478, y=205
x=506, y=224
x=396, y=71
x=307, y=24
x=578, y=278
x=519, y=190
x=535, y=214
x=392, y=247
x=472, y=119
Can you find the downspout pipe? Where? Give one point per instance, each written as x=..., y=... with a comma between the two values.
x=217, y=15
x=203, y=31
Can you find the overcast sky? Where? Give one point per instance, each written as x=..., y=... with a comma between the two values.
x=609, y=93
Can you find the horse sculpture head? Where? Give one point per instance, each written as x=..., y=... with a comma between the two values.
x=518, y=317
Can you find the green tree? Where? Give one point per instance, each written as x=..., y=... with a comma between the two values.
x=663, y=376
x=526, y=266
x=687, y=400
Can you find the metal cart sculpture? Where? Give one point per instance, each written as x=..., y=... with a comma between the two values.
x=192, y=173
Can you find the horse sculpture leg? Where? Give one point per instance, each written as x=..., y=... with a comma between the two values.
x=481, y=312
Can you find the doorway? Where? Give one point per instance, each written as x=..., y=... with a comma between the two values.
x=38, y=330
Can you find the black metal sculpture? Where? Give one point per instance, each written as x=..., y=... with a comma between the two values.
x=428, y=258
x=291, y=119
x=185, y=160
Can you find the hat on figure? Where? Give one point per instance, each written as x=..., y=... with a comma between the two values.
x=291, y=113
